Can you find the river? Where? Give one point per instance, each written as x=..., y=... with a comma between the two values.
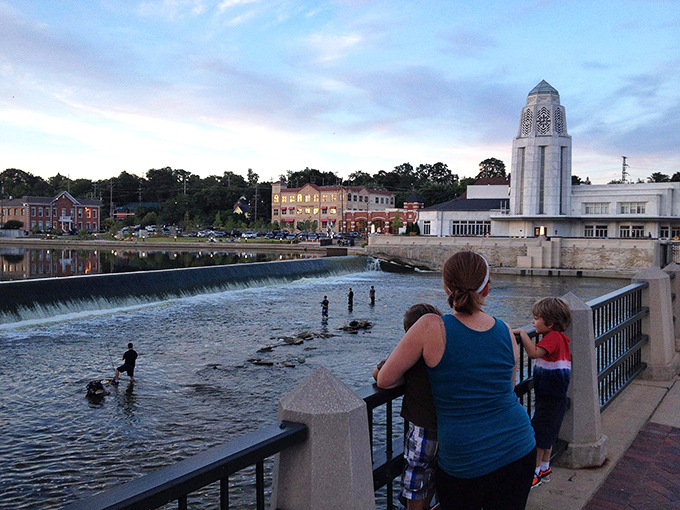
x=195, y=387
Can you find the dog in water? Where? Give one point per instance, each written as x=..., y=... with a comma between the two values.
x=96, y=390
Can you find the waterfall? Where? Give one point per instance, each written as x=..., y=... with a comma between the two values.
x=48, y=297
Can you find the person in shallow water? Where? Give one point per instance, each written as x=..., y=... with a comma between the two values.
x=371, y=295
x=350, y=298
x=129, y=360
x=324, y=307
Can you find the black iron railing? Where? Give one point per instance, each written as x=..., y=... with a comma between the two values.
x=176, y=482
x=617, y=321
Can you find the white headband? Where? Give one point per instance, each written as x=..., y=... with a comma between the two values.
x=486, y=278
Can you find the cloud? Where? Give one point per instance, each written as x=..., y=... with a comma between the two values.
x=171, y=9
x=468, y=43
x=327, y=48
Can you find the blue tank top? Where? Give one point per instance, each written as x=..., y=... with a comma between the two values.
x=481, y=424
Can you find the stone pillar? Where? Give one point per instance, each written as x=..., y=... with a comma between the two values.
x=673, y=268
x=582, y=425
x=333, y=468
x=659, y=354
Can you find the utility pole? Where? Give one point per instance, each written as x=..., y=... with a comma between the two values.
x=624, y=171
x=139, y=192
x=184, y=178
x=111, y=198
x=255, y=216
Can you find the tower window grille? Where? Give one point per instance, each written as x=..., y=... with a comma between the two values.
x=543, y=121
x=559, y=121
x=527, y=121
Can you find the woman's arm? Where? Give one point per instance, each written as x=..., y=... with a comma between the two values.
x=515, y=350
x=409, y=350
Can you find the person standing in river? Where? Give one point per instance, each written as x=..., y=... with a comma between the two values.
x=350, y=299
x=324, y=307
x=129, y=360
x=371, y=294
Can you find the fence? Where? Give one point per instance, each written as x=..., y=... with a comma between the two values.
x=617, y=319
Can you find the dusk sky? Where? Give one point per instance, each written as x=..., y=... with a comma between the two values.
x=91, y=88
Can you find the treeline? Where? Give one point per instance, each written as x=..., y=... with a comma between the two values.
x=186, y=198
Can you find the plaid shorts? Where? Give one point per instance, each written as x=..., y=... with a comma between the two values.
x=420, y=461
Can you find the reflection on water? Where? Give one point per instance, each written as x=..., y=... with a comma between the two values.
x=19, y=263
x=194, y=386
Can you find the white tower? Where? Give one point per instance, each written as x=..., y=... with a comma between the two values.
x=541, y=157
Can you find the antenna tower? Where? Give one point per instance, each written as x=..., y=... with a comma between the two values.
x=624, y=171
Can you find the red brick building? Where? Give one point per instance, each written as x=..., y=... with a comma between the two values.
x=63, y=212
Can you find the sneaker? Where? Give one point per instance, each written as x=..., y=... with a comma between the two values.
x=536, y=481
x=545, y=475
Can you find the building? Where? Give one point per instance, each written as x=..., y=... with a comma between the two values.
x=542, y=199
x=63, y=213
x=124, y=211
x=341, y=208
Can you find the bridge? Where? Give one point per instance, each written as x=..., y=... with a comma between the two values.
x=335, y=448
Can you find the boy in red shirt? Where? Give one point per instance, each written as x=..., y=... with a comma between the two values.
x=552, y=371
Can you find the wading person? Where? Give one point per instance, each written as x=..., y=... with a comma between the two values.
x=420, y=453
x=350, y=298
x=487, y=450
x=129, y=360
x=371, y=295
x=324, y=307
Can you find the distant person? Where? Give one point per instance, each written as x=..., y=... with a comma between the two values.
x=552, y=372
x=371, y=294
x=420, y=454
x=350, y=298
x=129, y=360
x=324, y=307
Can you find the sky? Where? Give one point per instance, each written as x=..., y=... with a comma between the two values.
x=92, y=88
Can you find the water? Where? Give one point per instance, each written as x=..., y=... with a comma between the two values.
x=195, y=387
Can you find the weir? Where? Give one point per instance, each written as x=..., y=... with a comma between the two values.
x=31, y=299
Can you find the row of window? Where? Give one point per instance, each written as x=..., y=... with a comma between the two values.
x=623, y=207
x=47, y=211
x=333, y=197
x=624, y=231
x=462, y=228
x=307, y=210
x=8, y=211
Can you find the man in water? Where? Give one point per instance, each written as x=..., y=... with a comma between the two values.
x=350, y=298
x=371, y=294
x=324, y=307
x=129, y=359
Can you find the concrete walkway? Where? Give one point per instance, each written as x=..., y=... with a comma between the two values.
x=643, y=460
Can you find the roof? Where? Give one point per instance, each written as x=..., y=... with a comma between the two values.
x=31, y=200
x=544, y=88
x=470, y=204
x=133, y=205
x=414, y=197
x=339, y=188
x=493, y=181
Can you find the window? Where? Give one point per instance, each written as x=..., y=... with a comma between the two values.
x=600, y=230
x=663, y=231
x=334, y=198
x=324, y=198
x=87, y=225
x=597, y=208
x=32, y=211
x=349, y=197
x=73, y=213
x=624, y=231
x=299, y=210
x=316, y=210
x=284, y=199
x=638, y=231
x=588, y=231
x=276, y=212
x=334, y=210
x=308, y=210
x=355, y=198
x=308, y=198
x=541, y=179
x=80, y=213
x=426, y=227
x=316, y=197
x=299, y=197
x=292, y=199
x=361, y=198
x=40, y=225
x=470, y=228
x=284, y=211
x=632, y=207
x=40, y=211
x=391, y=200
x=94, y=214
x=276, y=199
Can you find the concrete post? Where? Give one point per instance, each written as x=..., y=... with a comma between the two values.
x=332, y=469
x=582, y=425
x=659, y=354
x=673, y=268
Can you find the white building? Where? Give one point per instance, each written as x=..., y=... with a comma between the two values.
x=542, y=200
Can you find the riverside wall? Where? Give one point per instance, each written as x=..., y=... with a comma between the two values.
x=528, y=253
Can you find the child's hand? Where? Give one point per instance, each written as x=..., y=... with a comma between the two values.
x=518, y=331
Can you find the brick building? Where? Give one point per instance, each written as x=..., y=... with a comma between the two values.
x=63, y=212
x=342, y=208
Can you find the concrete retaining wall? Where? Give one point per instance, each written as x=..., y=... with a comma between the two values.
x=432, y=252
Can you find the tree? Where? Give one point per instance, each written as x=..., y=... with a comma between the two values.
x=491, y=167
x=575, y=180
x=360, y=178
x=396, y=222
x=658, y=177
x=675, y=177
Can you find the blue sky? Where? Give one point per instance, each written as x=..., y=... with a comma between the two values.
x=93, y=87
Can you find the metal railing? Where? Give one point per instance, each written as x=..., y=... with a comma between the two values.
x=617, y=321
x=177, y=481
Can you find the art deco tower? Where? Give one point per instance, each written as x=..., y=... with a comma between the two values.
x=541, y=157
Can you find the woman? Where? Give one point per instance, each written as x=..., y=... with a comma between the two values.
x=486, y=444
